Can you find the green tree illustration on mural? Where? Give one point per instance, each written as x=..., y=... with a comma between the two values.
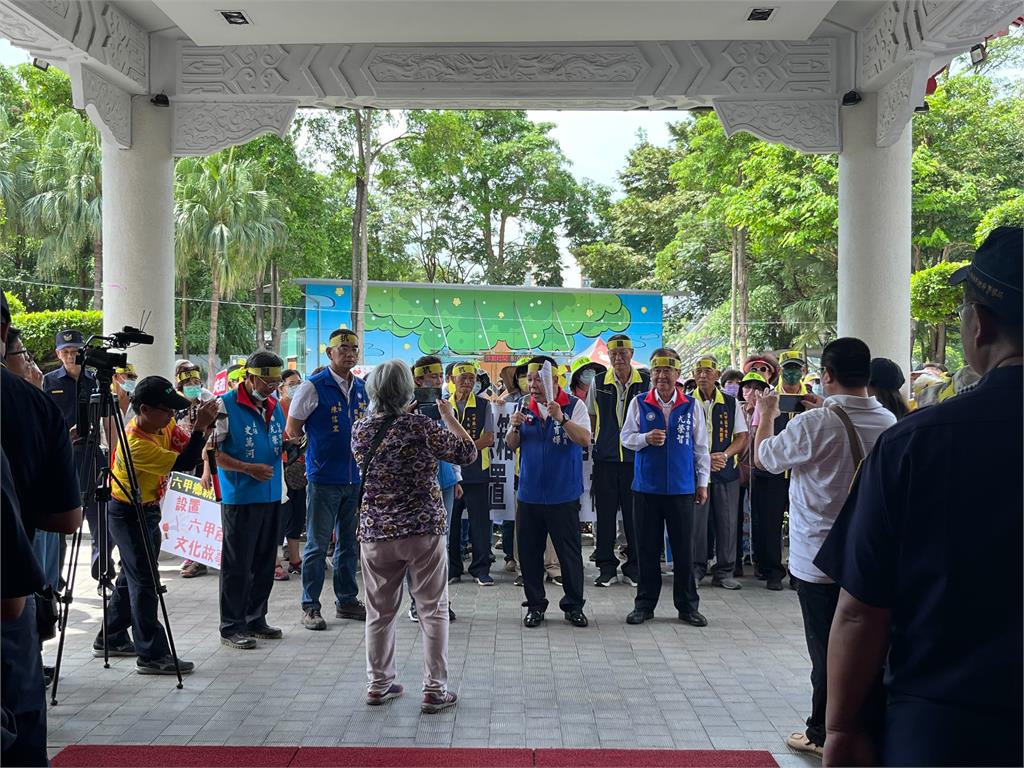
x=466, y=321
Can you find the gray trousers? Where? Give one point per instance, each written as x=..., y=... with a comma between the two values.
x=723, y=500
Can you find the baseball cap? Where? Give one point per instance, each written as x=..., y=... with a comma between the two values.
x=69, y=338
x=885, y=374
x=994, y=273
x=791, y=357
x=157, y=391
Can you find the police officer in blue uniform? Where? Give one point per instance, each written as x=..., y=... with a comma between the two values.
x=668, y=434
x=326, y=407
x=66, y=386
x=927, y=552
x=250, y=439
x=550, y=433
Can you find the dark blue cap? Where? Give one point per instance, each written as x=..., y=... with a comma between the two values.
x=994, y=274
x=69, y=338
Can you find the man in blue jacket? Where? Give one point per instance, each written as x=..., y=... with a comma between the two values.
x=549, y=434
x=326, y=407
x=669, y=436
x=250, y=438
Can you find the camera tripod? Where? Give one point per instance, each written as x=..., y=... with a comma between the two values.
x=103, y=410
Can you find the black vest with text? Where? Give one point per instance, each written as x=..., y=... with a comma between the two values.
x=721, y=424
x=608, y=426
x=474, y=419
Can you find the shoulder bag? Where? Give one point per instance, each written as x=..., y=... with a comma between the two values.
x=370, y=453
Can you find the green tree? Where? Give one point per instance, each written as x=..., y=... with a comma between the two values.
x=66, y=210
x=226, y=220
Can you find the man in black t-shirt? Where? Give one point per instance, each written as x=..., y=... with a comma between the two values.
x=927, y=551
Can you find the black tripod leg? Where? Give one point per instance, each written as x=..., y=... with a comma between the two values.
x=66, y=599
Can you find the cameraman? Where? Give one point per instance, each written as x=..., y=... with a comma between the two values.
x=157, y=447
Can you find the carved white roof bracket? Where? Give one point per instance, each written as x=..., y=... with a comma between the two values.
x=809, y=125
x=104, y=51
x=204, y=127
x=906, y=42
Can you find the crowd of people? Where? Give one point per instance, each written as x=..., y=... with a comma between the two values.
x=908, y=660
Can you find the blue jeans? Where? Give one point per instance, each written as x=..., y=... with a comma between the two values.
x=330, y=508
x=46, y=545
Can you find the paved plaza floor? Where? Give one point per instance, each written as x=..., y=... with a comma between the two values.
x=739, y=683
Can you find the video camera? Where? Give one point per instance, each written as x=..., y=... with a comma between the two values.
x=98, y=355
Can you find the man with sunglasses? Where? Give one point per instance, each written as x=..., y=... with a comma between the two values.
x=249, y=439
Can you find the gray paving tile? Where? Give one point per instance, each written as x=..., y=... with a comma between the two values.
x=743, y=680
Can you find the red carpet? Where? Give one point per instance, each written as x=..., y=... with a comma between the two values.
x=144, y=756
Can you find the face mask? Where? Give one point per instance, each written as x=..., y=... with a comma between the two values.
x=256, y=396
x=732, y=388
x=818, y=389
x=587, y=377
x=192, y=391
x=792, y=375
x=476, y=388
x=128, y=385
x=292, y=389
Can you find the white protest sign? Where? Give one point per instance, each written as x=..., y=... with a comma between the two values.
x=190, y=523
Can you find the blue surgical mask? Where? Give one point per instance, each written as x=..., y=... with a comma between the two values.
x=732, y=388
x=256, y=396
x=128, y=385
x=192, y=391
x=476, y=388
x=818, y=389
x=587, y=377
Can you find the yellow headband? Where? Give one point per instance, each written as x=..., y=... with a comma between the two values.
x=129, y=368
x=236, y=375
x=343, y=333
x=534, y=367
x=707, y=362
x=666, y=362
x=191, y=373
x=423, y=370
x=620, y=344
x=265, y=372
x=462, y=368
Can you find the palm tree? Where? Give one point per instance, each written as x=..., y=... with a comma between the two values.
x=17, y=166
x=225, y=218
x=66, y=209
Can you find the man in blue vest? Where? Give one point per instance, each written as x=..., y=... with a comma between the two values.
x=250, y=438
x=477, y=418
x=326, y=407
x=607, y=401
x=550, y=433
x=668, y=434
x=727, y=435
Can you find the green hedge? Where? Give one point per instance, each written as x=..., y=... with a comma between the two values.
x=39, y=329
x=14, y=303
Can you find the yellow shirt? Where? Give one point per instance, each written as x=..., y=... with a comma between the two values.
x=153, y=458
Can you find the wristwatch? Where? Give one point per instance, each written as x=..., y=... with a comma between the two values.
x=564, y=419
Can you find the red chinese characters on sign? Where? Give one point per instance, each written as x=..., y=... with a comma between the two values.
x=191, y=522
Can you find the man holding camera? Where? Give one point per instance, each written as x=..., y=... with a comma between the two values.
x=250, y=438
x=822, y=448
x=157, y=447
x=326, y=407
x=68, y=385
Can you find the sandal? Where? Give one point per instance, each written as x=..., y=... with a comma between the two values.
x=295, y=567
x=801, y=743
x=280, y=574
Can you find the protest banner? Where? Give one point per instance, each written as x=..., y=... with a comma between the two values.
x=190, y=523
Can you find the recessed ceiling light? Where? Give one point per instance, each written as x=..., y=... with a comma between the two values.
x=235, y=17
x=760, y=14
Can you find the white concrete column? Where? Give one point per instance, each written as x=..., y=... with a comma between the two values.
x=874, y=236
x=138, y=236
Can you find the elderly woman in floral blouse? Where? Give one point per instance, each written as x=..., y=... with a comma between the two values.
x=402, y=527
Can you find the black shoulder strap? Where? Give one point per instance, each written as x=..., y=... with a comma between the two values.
x=378, y=438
